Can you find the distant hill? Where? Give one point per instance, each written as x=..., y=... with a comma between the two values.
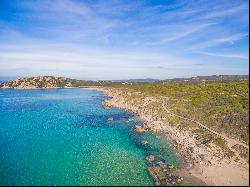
x=191, y=79
x=62, y=82
x=137, y=80
x=43, y=82
x=210, y=78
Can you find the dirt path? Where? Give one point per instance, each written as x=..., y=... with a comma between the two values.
x=230, y=141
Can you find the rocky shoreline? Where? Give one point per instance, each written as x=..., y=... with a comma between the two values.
x=206, y=164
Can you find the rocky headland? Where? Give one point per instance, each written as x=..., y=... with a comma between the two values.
x=38, y=82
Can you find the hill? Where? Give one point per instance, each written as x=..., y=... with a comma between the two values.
x=43, y=82
x=211, y=78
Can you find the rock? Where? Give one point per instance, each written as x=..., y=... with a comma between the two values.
x=150, y=158
x=189, y=165
x=129, y=120
x=170, y=166
x=105, y=105
x=157, y=173
x=110, y=119
x=191, y=149
x=144, y=142
x=179, y=180
x=161, y=164
x=202, y=157
x=236, y=159
x=139, y=129
x=163, y=176
x=243, y=151
x=153, y=171
x=157, y=183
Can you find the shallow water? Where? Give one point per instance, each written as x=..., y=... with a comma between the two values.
x=63, y=137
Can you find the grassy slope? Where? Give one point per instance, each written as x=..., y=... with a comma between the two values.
x=222, y=106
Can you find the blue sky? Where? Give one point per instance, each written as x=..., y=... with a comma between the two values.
x=123, y=39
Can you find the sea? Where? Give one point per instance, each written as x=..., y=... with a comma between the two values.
x=65, y=137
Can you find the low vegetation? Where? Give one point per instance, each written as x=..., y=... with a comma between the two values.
x=222, y=106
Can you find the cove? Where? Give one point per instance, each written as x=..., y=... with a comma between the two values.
x=64, y=137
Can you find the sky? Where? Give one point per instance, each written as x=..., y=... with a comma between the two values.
x=111, y=39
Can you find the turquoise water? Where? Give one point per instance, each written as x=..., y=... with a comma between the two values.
x=63, y=137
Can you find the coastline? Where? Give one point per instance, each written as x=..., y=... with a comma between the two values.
x=206, y=165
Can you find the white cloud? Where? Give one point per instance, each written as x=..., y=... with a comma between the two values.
x=57, y=6
x=225, y=12
x=244, y=56
x=186, y=32
x=77, y=60
x=219, y=41
x=115, y=36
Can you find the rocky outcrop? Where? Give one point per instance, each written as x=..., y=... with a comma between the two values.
x=144, y=142
x=150, y=158
x=42, y=82
x=105, y=105
x=110, y=119
x=139, y=129
x=163, y=175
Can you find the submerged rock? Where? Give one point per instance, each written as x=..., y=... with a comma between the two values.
x=150, y=158
x=157, y=183
x=162, y=165
x=110, y=119
x=157, y=173
x=139, y=129
x=105, y=105
x=179, y=180
x=144, y=142
x=129, y=120
x=164, y=175
x=170, y=166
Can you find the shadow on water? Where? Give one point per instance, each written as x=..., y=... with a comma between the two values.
x=102, y=120
x=116, y=116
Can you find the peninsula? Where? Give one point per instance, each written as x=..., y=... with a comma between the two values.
x=39, y=82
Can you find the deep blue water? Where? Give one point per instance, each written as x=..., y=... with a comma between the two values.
x=63, y=137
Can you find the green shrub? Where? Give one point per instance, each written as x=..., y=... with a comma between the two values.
x=220, y=142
